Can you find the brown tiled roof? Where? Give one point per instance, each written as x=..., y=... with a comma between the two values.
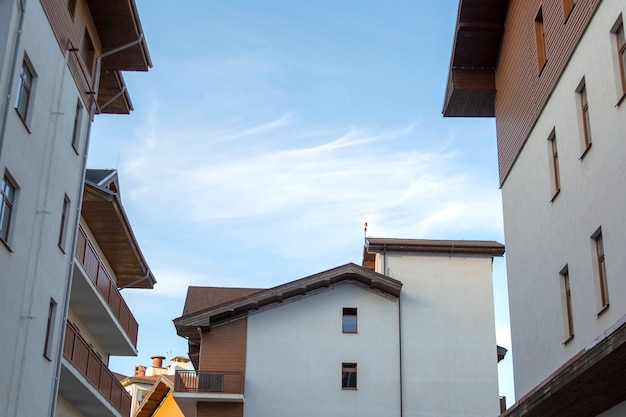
x=475, y=247
x=187, y=325
x=200, y=298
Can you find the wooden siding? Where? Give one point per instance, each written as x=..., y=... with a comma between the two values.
x=220, y=409
x=224, y=347
x=522, y=89
x=70, y=34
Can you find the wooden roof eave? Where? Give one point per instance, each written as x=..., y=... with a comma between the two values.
x=109, y=202
x=153, y=399
x=461, y=247
x=117, y=23
x=471, y=87
x=113, y=97
x=187, y=326
x=588, y=384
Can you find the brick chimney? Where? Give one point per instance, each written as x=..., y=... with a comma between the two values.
x=140, y=370
x=157, y=361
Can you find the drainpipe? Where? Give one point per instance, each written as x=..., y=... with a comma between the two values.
x=16, y=49
x=81, y=188
x=400, y=350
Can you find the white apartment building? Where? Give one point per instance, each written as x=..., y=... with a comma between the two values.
x=552, y=72
x=416, y=341
x=60, y=64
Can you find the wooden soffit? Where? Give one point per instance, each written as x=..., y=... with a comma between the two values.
x=113, y=97
x=588, y=384
x=107, y=221
x=117, y=23
x=461, y=247
x=471, y=86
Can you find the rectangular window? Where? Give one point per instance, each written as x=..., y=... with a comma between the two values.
x=585, y=123
x=567, y=304
x=52, y=311
x=349, y=324
x=568, y=5
x=554, y=165
x=621, y=52
x=600, y=265
x=540, y=36
x=7, y=192
x=77, y=121
x=87, y=52
x=25, y=87
x=348, y=375
x=63, y=225
x=71, y=6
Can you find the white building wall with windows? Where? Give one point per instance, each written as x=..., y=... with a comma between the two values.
x=294, y=349
x=544, y=233
x=34, y=268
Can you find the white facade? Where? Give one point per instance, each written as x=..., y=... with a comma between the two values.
x=448, y=333
x=543, y=236
x=39, y=158
x=424, y=343
x=295, y=353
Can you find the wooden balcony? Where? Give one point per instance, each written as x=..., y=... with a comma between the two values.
x=191, y=388
x=97, y=272
x=87, y=362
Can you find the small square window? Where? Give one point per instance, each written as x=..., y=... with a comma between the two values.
x=52, y=312
x=540, y=37
x=349, y=322
x=600, y=266
x=567, y=304
x=7, y=193
x=348, y=376
x=78, y=115
x=25, y=88
x=584, y=118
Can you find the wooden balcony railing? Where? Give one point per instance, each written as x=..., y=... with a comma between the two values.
x=208, y=382
x=97, y=272
x=88, y=362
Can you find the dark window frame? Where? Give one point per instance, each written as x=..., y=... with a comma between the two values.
x=8, y=192
x=25, y=91
x=349, y=320
x=349, y=376
x=540, y=38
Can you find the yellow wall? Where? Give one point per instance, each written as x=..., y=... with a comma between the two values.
x=168, y=408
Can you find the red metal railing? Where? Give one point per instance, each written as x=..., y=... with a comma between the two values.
x=88, y=362
x=209, y=381
x=97, y=272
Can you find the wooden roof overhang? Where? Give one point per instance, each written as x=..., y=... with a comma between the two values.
x=117, y=23
x=190, y=325
x=155, y=397
x=107, y=221
x=471, y=87
x=588, y=384
x=113, y=97
x=461, y=247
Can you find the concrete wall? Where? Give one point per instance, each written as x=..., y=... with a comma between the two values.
x=542, y=236
x=295, y=352
x=449, y=356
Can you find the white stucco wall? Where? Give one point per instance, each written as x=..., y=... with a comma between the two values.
x=449, y=355
x=295, y=352
x=542, y=237
x=45, y=167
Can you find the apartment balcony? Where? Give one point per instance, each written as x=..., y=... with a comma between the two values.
x=99, y=304
x=192, y=387
x=87, y=383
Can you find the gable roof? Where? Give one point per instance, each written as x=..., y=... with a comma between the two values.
x=104, y=213
x=200, y=298
x=155, y=397
x=187, y=326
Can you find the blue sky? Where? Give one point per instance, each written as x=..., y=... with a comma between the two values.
x=268, y=132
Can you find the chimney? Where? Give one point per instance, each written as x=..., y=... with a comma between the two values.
x=157, y=361
x=140, y=370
